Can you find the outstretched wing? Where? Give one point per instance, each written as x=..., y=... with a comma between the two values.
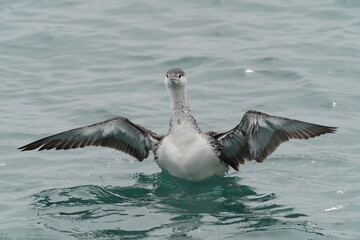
x=118, y=133
x=259, y=134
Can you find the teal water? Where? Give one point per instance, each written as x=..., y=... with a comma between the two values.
x=65, y=64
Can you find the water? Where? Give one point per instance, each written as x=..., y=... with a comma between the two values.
x=65, y=64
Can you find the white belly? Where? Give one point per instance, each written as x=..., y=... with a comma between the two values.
x=189, y=156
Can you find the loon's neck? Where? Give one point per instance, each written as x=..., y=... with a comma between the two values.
x=180, y=111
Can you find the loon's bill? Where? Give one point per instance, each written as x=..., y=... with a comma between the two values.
x=185, y=151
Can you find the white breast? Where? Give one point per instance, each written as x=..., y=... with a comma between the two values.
x=187, y=154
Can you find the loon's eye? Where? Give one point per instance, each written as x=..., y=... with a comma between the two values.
x=179, y=76
x=167, y=75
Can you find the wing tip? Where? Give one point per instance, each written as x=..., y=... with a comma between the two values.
x=324, y=130
x=22, y=149
x=26, y=148
x=332, y=129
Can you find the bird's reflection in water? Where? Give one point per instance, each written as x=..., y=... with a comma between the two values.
x=160, y=205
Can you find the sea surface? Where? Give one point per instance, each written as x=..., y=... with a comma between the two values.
x=66, y=64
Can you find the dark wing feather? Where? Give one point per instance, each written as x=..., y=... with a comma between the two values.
x=259, y=134
x=118, y=133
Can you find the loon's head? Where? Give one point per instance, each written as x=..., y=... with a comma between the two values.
x=175, y=78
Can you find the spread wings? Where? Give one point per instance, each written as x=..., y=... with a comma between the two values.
x=259, y=134
x=118, y=133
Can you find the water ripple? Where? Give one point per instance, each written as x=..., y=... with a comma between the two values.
x=184, y=208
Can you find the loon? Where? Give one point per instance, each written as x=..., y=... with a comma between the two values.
x=185, y=151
